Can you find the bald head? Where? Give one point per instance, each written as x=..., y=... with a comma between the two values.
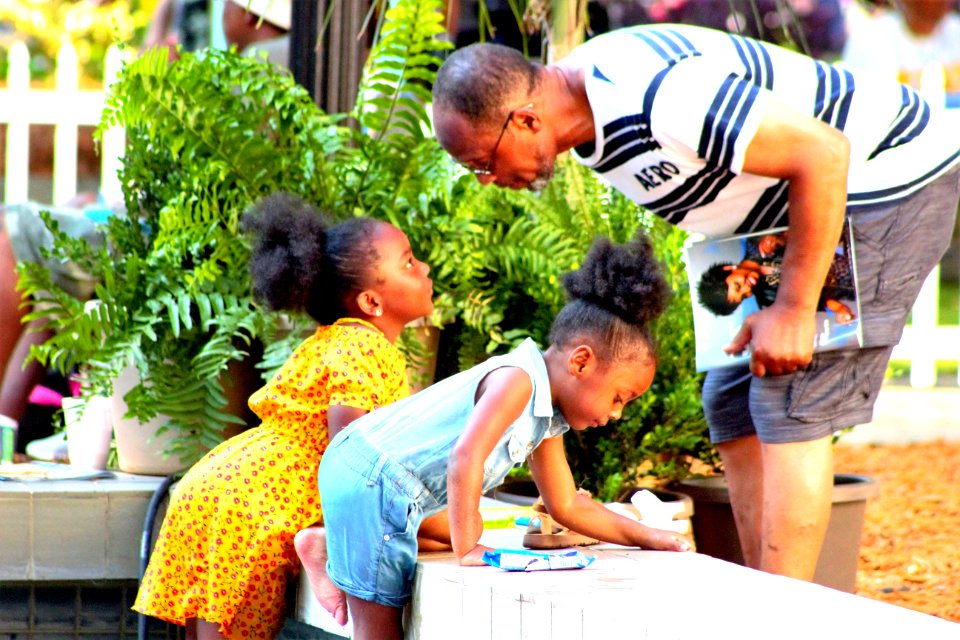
x=479, y=80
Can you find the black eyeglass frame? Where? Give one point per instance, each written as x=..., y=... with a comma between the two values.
x=488, y=169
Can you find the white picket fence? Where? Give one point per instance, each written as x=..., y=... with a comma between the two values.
x=67, y=107
x=925, y=340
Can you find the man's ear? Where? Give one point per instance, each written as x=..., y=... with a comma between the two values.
x=581, y=360
x=370, y=303
x=529, y=118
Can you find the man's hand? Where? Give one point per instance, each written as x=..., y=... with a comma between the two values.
x=474, y=557
x=780, y=340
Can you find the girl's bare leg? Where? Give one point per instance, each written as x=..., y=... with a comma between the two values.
x=434, y=533
x=198, y=629
x=311, y=546
x=372, y=621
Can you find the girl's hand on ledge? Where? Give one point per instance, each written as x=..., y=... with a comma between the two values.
x=474, y=557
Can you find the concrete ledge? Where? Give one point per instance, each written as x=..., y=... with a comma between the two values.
x=73, y=529
x=628, y=593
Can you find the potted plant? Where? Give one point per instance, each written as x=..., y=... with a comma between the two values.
x=499, y=256
x=173, y=301
x=208, y=135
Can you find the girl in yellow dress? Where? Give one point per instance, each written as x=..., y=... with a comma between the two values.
x=226, y=548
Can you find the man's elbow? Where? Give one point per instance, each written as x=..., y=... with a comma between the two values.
x=835, y=153
x=825, y=160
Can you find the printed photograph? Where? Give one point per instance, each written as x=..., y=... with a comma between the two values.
x=732, y=277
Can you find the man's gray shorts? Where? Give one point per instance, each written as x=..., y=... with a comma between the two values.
x=896, y=246
x=28, y=235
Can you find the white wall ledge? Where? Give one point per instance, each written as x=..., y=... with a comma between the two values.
x=628, y=593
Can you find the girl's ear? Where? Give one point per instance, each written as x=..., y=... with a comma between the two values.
x=581, y=360
x=370, y=302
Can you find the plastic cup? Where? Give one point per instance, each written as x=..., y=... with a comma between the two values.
x=8, y=438
x=88, y=432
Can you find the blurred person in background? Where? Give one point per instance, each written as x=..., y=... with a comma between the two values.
x=815, y=27
x=259, y=25
x=29, y=394
x=183, y=23
x=904, y=39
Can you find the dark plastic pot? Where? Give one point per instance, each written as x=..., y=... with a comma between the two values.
x=522, y=492
x=716, y=533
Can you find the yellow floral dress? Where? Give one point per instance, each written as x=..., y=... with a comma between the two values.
x=225, y=551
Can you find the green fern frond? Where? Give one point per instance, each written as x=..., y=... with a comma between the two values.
x=403, y=60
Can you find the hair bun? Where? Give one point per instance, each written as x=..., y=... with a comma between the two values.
x=288, y=236
x=625, y=279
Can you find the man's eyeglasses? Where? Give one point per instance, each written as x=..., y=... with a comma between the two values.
x=488, y=170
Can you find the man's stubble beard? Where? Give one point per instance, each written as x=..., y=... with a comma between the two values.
x=544, y=175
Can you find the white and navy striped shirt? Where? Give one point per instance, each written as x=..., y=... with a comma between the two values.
x=676, y=106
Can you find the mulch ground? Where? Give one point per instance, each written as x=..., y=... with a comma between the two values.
x=910, y=552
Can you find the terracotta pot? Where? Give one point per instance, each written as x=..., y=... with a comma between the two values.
x=716, y=533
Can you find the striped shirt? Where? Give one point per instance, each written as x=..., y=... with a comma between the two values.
x=675, y=108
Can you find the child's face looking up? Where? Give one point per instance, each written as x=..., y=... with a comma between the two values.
x=401, y=279
x=599, y=394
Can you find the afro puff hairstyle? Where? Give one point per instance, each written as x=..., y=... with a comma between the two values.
x=614, y=296
x=301, y=262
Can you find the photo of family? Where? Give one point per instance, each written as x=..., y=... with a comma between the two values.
x=735, y=276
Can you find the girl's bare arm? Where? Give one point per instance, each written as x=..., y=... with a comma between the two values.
x=579, y=512
x=339, y=416
x=502, y=396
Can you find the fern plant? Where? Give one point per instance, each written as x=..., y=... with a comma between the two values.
x=498, y=257
x=207, y=136
x=396, y=167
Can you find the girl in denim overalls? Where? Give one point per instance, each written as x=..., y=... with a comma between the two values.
x=445, y=446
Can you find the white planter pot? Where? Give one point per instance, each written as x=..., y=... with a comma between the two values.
x=139, y=447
